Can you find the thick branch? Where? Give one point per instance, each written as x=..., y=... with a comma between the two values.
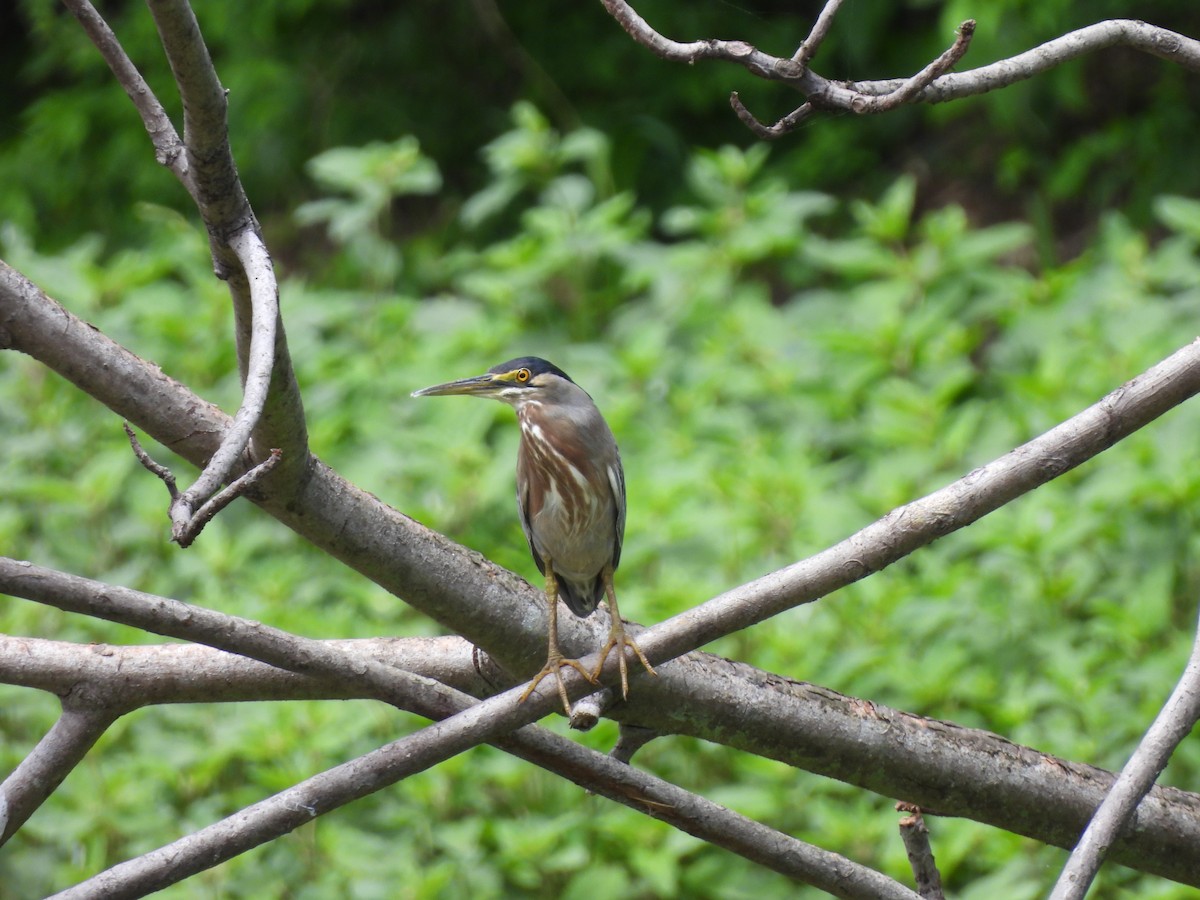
x=315, y=796
x=886, y=751
x=43, y=770
x=465, y=725
x=153, y=674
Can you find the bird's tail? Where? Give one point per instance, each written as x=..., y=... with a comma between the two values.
x=581, y=597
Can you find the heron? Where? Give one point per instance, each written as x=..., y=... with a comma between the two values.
x=571, y=500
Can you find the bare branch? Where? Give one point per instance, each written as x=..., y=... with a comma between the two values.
x=913, y=86
x=335, y=787
x=163, y=473
x=916, y=524
x=192, y=527
x=885, y=750
x=808, y=49
x=465, y=725
x=933, y=84
x=739, y=52
x=43, y=770
x=915, y=835
x=188, y=524
x=1172, y=724
x=1161, y=42
x=700, y=695
x=788, y=123
x=152, y=674
x=204, y=163
x=168, y=148
x=219, y=194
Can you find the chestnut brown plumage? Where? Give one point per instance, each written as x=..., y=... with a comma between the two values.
x=570, y=495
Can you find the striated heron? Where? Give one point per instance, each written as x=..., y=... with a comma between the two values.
x=571, y=497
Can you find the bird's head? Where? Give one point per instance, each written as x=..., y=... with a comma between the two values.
x=527, y=378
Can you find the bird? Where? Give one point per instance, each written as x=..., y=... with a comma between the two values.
x=570, y=497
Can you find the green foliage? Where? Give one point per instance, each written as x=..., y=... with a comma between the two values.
x=775, y=384
x=373, y=176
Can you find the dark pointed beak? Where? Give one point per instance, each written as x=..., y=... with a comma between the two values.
x=480, y=385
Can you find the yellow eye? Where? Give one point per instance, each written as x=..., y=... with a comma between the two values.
x=522, y=375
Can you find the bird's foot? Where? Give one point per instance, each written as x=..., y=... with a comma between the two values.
x=554, y=666
x=617, y=638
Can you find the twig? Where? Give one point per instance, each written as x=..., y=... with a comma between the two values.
x=1161, y=42
x=808, y=49
x=191, y=524
x=168, y=148
x=41, y=772
x=913, y=86
x=1172, y=724
x=465, y=724
x=788, y=123
x=739, y=52
x=218, y=502
x=903, y=93
x=915, y=835
x=164, y=474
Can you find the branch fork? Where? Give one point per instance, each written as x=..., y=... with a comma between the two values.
x=935, y=83
x=189, y=512
x=203, y=163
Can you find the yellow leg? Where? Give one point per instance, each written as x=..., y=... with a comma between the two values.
x=554, y=658
x=617, y=638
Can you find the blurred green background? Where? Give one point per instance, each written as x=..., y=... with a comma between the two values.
x=788, y=342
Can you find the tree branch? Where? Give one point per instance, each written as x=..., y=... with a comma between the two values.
x=204, y=162
x=907, y=528
x=887, y=752
x=933, y=84
x=913, y=86
x=808, y=49
x=1172, y=724
x=151, y=674
x=915, y=835
x=220, y=197
x=168, y=148
x=1016, y=787
x=44, y=768
x=465, y=724
x=1161, y=42
x=335, y=787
